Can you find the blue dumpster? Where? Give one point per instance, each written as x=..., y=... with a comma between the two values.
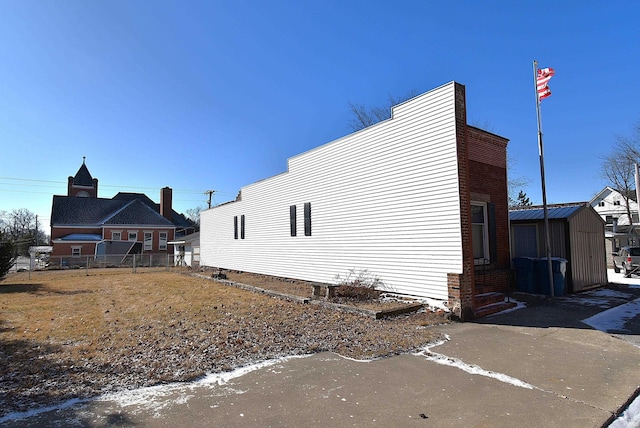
x=525, y=274
x=559, y=269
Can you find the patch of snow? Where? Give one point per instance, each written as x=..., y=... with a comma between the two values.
x=146, y=397
x=155, y=398
x=605, y=292
x=614, y=319
x=619, y=278
x=630, y=417
x=34, y=412
x=470, y=368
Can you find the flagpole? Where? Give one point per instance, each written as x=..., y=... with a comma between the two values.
x=544, y=188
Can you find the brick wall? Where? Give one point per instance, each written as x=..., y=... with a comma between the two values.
x=482, y=162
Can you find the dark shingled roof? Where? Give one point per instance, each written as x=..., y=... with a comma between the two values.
x=83, y=177
x=71, y=210
x=178, y=219
x=137, y=212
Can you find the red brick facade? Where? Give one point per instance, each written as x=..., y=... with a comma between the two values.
x=482, y=161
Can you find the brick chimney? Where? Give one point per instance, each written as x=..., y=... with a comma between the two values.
x=166, y=195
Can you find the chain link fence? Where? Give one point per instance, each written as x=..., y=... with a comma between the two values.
x=123, y=263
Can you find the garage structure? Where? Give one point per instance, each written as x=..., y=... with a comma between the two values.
x=576, y=234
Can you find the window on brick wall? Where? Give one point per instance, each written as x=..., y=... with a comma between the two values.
x=133, y=236
x=162, y=241
x=116, y=236
x=76, y=251
x=480, y=232
x=148, y=241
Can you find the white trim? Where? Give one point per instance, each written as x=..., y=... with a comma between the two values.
x=74, y=248
x=485, y=233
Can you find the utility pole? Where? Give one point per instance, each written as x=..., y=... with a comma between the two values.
x=210, y=193
x=36, y=230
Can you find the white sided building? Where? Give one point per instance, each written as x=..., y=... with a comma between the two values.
x=418, y=200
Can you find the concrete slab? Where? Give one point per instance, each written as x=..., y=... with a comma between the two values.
x=328, y=390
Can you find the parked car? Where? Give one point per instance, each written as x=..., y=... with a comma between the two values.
x=627, y=259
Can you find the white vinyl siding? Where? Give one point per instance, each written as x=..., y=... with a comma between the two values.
x=384, y=199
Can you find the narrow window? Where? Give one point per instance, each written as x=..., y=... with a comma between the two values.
x=162, y=244
x=133, y=236
x=292, y=220
x=76, y=251
x=235, y=227
x=242, y=226
x=307, y=219
x=479, y=232
x=148, y=241
x=116, y=236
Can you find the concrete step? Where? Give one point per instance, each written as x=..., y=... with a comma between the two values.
x=488, y=298
x=492, y=308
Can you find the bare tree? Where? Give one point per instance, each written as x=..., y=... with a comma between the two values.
x=21, y=228
x=618, y=167
x=364, y=117
x=193, y=214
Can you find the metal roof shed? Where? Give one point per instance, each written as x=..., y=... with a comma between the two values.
x=577, y=234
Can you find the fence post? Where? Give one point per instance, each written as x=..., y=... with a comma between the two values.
x=134, y=263
x=167, y=262
x=87, y=266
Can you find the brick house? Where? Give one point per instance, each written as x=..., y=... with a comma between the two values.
x=418, y=200
x=84, y=225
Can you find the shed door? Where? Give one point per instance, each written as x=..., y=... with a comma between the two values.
x=525, y=240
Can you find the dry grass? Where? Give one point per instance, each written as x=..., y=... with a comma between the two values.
x=65, y=334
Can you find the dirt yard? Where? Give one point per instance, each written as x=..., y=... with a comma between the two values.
x=66, y=334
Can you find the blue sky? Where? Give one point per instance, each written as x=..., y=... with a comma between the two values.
x=200, y=95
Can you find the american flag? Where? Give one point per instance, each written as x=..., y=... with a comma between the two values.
x=544, y=75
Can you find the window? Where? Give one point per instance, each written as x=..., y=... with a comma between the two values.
x=601, y=204
x=116, y=236
x=148, y=241
x=242, y=226
x=609, y=219
x=479, y=231
x=292, y=220
x=307, y=219
x=617, y=202
x=235, y=227
x=76, y=251
x=133, y=236
x=163, y=240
